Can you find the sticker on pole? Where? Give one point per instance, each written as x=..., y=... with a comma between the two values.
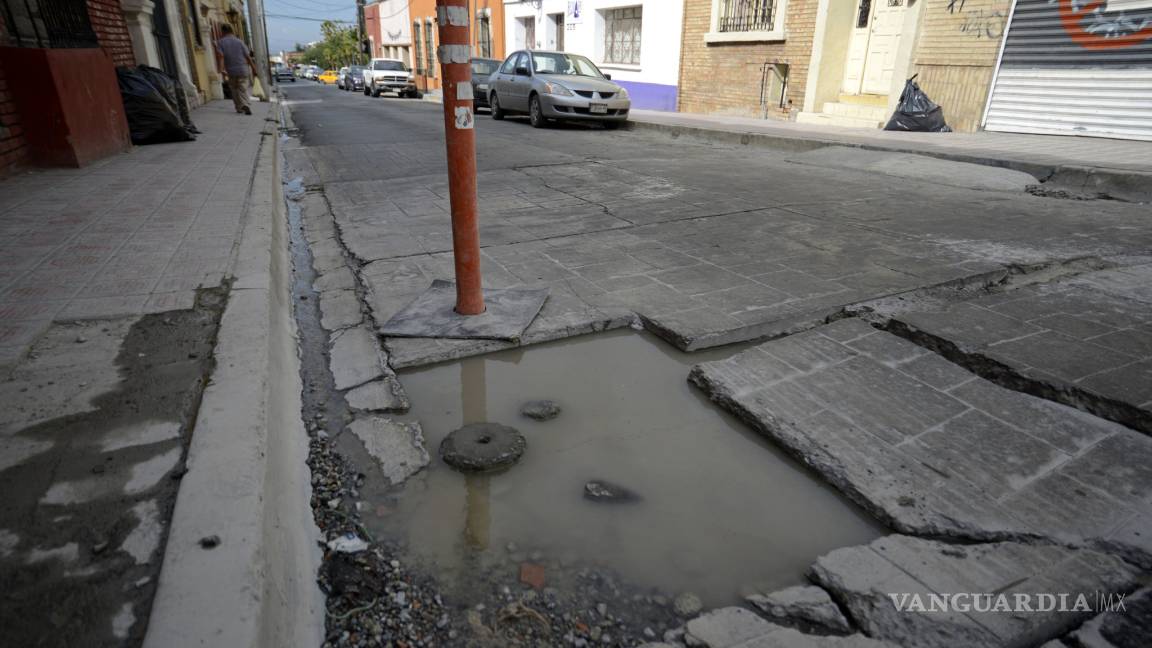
x=463, y=118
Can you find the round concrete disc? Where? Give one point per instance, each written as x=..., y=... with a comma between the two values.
x=482, y=447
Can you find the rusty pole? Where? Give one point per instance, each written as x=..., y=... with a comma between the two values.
x=455, y=53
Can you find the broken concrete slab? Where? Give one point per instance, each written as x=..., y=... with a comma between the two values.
x=508, y=312
x=736, y=627
x=973, y=461
x=1085, y=341
x=895, y=589
x=384, y=395
x=398, y=447
x=804, y=604
x=1126, y=624
x=918, y=167
x=339, y=309
x=356, y=357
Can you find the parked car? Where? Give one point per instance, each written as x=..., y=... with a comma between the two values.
x=329, y=76
x=340, y=77
x=311, y=72
x=482, y=69
x=389, y=75
x=354, y=78
x=282, y=73
x=556, y=85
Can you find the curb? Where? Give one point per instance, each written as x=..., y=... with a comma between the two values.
x=247, y=479
x=1131, y=186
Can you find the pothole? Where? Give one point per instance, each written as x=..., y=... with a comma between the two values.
x=711, y=508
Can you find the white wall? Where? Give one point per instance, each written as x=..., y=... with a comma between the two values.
x=659, y=38
x=395, y=25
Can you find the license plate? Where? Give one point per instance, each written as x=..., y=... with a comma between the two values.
x=598, y=109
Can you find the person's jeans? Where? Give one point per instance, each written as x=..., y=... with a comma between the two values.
x=239, y=85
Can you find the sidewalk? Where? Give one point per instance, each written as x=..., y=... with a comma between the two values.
x=148, y=378
x=1123, y=166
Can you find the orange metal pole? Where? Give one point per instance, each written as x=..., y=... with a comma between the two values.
x=454, y=54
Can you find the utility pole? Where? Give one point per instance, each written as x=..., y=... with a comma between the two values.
x=260, y=44
x=362, y=28
x=460, y=139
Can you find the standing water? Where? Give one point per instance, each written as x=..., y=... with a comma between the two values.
x=720, y=511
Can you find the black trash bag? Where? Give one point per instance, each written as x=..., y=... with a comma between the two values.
x=151, y=118
x=916, y=112
x=173, y=92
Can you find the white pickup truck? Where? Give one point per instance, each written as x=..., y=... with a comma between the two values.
x=389, y=75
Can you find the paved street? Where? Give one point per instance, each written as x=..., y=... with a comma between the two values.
x=964, y=360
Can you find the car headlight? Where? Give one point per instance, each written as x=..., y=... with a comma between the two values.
x=483, y=87
x=623, y=93
x=556, y=89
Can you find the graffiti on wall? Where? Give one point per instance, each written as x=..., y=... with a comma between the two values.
x=981, y=23
x=1091, y=26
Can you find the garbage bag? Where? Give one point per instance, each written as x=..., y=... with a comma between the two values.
x=173, y=92
x=258, y=89
x=151, y=117
x=916, y=112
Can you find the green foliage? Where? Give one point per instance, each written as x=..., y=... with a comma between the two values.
x=339, y=47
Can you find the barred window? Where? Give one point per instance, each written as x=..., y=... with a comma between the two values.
x=429, y=53
x=622, y=35
x=417, y=51
x=51, y=24
x=484, y=35
x=745, y=15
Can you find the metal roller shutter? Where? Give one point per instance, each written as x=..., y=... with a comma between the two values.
x=1075, y=67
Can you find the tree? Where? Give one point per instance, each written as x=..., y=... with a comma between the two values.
x=338, y=48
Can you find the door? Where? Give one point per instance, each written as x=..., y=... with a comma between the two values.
x=558, y=25
x=520, y=85
x=858, y=48
x=162, y=32
x=883, y=42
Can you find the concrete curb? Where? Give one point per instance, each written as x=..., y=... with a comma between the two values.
x=248, y=480
x=1132, y=186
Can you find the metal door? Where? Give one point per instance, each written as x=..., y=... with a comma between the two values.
x=162, y=32
x=1071, y=67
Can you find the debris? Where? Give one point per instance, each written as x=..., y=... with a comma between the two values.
x=599, y=490
x=687, y=604
x=348, y=543
x=541, y=410
x=532, y=574
x=482, y=447
x=209, y=542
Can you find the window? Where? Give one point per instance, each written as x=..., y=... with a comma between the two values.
x=529, y=32
x=429, y=53
x=484, y=35
x=565, y=64
x=417, y=51
x=509, y=66
x=622, y=35
x=483, y=68
x=746, y=20
x=388, y=66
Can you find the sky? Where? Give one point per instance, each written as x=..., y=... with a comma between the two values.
x=304, y=25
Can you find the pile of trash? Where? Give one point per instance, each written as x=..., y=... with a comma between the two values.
x=916, y=112
x=156, y=106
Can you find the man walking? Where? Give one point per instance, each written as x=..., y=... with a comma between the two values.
x=237, y=63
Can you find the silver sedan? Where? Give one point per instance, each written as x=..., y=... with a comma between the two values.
x=556, y=85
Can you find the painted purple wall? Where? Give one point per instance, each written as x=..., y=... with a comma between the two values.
x=650, y=96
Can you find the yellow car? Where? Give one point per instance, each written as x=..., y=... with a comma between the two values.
x=329, y=76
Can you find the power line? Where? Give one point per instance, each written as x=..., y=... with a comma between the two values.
x=311, y=9
x=287, y=17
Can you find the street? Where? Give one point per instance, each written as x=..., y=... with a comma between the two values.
x=963, y=360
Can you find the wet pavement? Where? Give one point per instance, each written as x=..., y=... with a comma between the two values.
x=704, y=246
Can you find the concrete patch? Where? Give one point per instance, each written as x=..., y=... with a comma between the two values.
x=67, y=553
x=871, y=581
x=918, y=167
x=139, y=433
x=508, y=312
x=397, y=447
x=972, y=461
x=356, y=357
x=8, y=542
x=15, y=450
x=339, y=309
x=123, y=621
x=805, y=604
x=385, y=395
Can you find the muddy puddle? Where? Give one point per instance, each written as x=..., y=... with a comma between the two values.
x=721, y=512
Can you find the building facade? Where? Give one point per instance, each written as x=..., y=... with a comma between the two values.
x=487, y=36
x=389, y=29
x=637, y=42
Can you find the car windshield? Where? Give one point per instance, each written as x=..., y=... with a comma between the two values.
x=484, y=68
x=570, y=64
x=356, y=68
x=389, y=65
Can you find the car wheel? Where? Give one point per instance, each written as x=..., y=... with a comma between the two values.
x=536, y=113
x=365, y=91
x=496, y=110
x=375, y=94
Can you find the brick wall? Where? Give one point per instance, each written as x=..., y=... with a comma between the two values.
x=725, y=77
x=108, y=22
x=13, y=146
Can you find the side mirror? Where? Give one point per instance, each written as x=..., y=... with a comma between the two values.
x=608, y=76
x=522, y=71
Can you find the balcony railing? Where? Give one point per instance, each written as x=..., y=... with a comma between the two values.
x=745, y=15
